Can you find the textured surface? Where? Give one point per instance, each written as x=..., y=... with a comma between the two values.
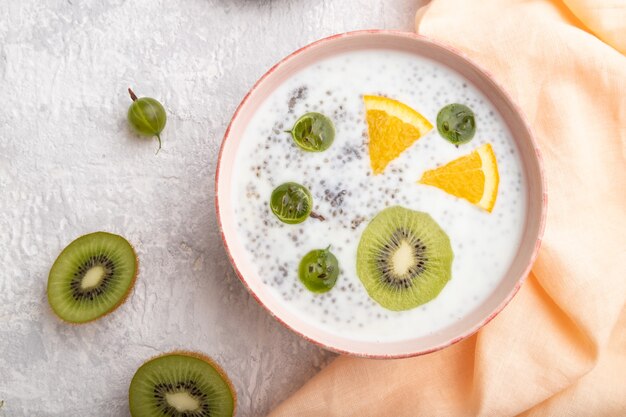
x=69, y=166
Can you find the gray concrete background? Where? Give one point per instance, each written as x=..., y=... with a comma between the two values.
x=69, y=166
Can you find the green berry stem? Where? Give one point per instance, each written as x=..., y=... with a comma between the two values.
x=317, y=216
x=159, y=139
x=133, y=96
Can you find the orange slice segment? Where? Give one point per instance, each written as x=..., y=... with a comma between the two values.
x=393, y=127
x=473, y=177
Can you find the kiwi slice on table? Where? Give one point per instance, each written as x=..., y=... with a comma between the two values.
x=91, y=277
x=404, y=258
x=181, y=384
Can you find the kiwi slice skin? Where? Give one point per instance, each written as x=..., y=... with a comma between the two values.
x=76, y=305
x=412, y=235
x=215, y=394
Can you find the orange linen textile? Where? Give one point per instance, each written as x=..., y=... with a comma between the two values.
x=559, y=348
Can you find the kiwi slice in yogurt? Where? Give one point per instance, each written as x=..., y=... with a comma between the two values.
x=404, y=258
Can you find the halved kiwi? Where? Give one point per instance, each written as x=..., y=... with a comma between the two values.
x=181, y=384
x=91, y=277
x=404, y=258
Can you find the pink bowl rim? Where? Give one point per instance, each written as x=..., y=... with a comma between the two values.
x=542, y=221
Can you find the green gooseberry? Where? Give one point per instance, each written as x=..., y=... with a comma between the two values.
x=456, y=123
x=319, y=270
x=147, y=116
x=292, y=203
x=313, y=132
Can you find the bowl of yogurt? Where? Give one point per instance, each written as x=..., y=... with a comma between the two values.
x=269, y=160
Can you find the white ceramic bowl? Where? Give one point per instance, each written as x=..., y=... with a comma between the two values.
x=420, y=46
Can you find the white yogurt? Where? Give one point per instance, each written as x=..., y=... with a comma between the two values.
x=484, y=244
